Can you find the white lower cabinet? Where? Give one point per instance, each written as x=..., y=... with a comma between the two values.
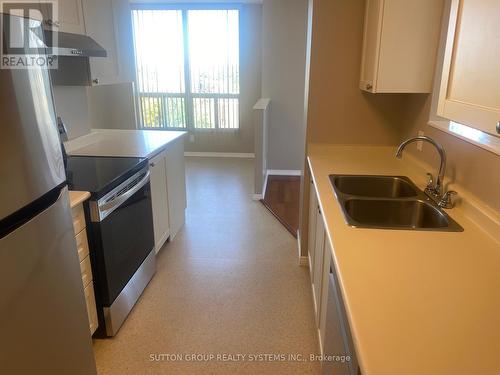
x=159, y=199
x=168, y=192
x=319, y=249
x=82, y=246
x=176, y=185
x=91, y=307
x=325, y=273
x=332, y=326
x=313, y=206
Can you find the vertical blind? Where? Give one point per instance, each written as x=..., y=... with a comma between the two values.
x=187, y=67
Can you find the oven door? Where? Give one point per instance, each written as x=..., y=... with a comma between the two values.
x=123, y=237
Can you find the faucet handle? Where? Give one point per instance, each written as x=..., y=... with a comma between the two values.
x=430, y=181
x=447, y=200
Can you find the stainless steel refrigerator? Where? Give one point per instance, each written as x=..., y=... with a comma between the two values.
x=44, y=327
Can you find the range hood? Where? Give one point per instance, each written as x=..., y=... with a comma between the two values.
x=67, y=44
x=72, y=52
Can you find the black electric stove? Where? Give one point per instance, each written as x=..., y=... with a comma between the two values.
x=99, y=175
x=120, y=231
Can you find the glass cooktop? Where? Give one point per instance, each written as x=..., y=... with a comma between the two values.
x=99, y=175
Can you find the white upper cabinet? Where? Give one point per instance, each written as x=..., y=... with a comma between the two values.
x=400, y=45
x=100, y=25
x=68, y=18
x=108, y=23
x=470, y=85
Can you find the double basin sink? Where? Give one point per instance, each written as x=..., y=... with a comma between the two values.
x=389, y=202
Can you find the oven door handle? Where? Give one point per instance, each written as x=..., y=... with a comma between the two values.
x=117, y=201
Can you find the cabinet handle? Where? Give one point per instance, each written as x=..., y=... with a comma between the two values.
x=498, y=127
x=95, y=81
x=52, y=23
x=152, y=165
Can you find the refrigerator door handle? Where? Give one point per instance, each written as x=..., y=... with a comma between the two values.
x=25, y=214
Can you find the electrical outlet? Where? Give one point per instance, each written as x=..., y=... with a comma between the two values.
x=191, y=138
x=420, y=144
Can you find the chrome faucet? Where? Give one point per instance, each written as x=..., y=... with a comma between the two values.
x=434, y=190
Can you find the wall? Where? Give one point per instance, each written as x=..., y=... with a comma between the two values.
x=261, y=115
x=112, y=106
x=284, y=25
x=473, y=168
x=241, y=141
x=468, y=165
x=339, y=112
x=72, y=106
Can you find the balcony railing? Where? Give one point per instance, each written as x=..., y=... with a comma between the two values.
x=182, y=111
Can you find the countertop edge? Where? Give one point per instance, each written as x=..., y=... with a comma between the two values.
x=76, y=197
x=80, y=145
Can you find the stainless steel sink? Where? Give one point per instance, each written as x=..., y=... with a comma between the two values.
x=375, y=186
x=389, y=202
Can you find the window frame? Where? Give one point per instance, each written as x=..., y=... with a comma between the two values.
x=189, y=96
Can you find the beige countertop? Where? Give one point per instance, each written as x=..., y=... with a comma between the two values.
x=77, y=197
x=122, y=143
x=417, y=302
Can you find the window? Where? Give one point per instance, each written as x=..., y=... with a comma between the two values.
x=187, y=68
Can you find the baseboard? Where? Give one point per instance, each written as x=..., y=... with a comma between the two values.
x=272, y=172
x=283, y=172
x=303, y=261
x=220, y=154
x=320, y=343
x=264, y=185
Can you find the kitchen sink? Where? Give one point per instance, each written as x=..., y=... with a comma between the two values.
x=395, y=213
x=375, y=186
x=389, y=202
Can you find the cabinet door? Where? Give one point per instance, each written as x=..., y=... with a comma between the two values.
x=176, y=186
x=334, y=335
x=91, y=307
x=69, y=17
x=371, y=44
x=325, y=273
x=337, y=333
x=318, y=262
x=470, y=86
x=313, y=206
x=159, y=198
x=125, y=40
x=400, y=45
x=101, y=26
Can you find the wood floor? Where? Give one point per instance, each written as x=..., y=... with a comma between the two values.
x=282, y=199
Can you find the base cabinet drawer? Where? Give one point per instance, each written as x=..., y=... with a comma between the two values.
x=78, y=218
x=86, y=270
x=91, y=307
x=82, y=245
